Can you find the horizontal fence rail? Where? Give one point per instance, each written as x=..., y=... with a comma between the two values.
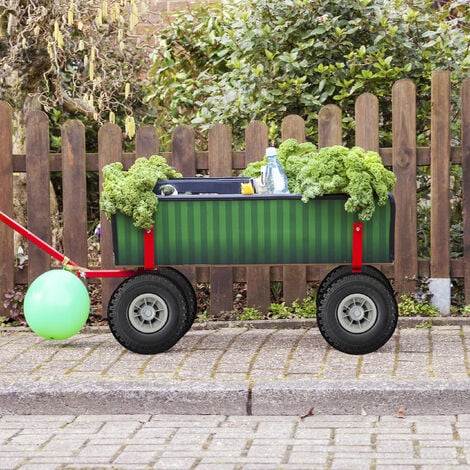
x=221, y=160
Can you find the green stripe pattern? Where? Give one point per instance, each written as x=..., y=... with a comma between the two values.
x=200, y=230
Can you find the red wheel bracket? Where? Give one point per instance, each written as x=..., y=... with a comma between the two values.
x=356, y=258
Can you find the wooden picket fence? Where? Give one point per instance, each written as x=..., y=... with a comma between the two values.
x=220, y=160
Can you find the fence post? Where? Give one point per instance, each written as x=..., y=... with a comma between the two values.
x=6, y=201
x=109, y=151
x=465, y=133
x=220, y=164
x=294, y=277
x=74, y=195
x=440, y=170
x=38, y=190
x=404, y=167
x=258, y=285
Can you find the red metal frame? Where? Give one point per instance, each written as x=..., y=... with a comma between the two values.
x=357, y=237
x=149, y=254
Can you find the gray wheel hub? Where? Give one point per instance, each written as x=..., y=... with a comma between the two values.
x=357, y=313
x=148, y=313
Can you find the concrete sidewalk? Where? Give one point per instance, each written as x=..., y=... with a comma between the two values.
x=238, y=370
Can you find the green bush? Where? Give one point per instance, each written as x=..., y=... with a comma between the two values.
x=265, y=59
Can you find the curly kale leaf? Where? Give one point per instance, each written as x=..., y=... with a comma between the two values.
x=291, y=151
x=355, y=172
x=293, y=156
x=253, y=170
x=131, y=192
x=337, y=169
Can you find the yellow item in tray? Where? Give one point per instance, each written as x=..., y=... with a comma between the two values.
x=247, y=188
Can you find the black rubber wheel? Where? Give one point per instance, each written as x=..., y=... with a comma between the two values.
x=187, y=290
x=346, y=270
x=147, y=314
x=357, y=314
x=332, y=276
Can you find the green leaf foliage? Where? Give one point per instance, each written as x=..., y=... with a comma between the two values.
x=131, y=192
x=262, y=60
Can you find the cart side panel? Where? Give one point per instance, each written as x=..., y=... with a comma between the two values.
x=200, y=230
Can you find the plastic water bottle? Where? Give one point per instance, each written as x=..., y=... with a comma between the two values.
x=276, y=179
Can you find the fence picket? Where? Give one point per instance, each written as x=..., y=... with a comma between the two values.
x=404, y=167
x=258, y=290
x=74, y=192
x=109, y=151
x=220, y=164
x=330, y=130
x=6, y=201
x=184, y=161
x=38, y=190
x=294, y=277
x=293, y=127
x=367, y=122
x=146, y=142
x=184, y=153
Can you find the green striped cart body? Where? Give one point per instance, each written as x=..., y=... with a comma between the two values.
x=222, y=229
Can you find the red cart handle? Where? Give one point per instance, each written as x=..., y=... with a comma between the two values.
x=69, y=264
x=36, y=240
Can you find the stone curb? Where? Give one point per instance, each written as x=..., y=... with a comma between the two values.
x=361, y=398
x=124, y=398
x=231, y=398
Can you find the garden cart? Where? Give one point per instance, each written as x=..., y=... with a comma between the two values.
x=207, y=221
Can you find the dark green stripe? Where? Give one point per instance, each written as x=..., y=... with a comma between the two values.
x=282, y=221
x=223, y=227
x=265, y=235
x=251, y=241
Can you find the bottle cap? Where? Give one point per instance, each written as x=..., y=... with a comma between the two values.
x=271, y=151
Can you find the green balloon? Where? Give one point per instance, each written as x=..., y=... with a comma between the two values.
x=56, y=304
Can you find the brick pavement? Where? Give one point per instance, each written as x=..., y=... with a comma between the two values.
x=234, y=442
x=237, y=370
x=238, y=354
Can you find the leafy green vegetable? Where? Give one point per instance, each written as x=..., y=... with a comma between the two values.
x=253, y=170
x=293, y=156
x=355, y=172
x=131, y=192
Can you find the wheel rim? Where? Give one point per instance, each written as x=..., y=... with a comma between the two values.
x=357, y=313
x=148, y=313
